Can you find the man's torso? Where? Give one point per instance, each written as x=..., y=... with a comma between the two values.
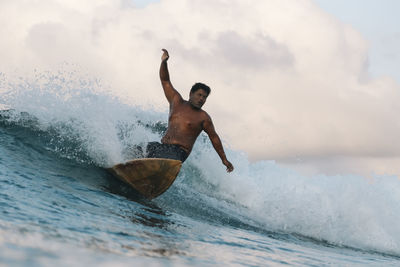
x=184, y=125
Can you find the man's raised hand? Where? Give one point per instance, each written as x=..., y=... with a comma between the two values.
x=165, y=55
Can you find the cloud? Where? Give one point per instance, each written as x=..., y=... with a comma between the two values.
x=262, y=53
x=289, y=81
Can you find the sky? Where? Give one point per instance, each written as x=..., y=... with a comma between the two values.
x=378, y=23
x=313, y=85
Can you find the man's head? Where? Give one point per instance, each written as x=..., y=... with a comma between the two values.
x=198, y=95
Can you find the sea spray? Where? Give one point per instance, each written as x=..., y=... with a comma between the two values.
x=80, y=111
x=345, y=210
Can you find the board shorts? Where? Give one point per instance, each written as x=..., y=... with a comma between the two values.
x=166, y=151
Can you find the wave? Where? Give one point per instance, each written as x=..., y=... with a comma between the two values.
x=95, y=128
x=69, y=139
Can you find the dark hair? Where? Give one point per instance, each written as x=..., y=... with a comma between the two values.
x=198, y=86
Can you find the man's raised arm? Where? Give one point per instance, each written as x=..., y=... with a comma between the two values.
x=169, y=90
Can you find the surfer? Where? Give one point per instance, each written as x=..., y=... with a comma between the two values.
x=186, y=121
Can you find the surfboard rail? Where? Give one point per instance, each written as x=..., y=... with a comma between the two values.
x=149, y=176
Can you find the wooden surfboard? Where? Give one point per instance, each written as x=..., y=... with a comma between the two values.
x=149, y=176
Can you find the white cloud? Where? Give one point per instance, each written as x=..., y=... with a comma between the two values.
x=289, y=81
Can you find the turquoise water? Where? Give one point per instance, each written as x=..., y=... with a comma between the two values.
x=59, y=206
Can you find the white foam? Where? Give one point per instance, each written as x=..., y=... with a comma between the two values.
x=80, y=107
x=344, y=209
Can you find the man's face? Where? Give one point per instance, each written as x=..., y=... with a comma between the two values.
x=198, y=98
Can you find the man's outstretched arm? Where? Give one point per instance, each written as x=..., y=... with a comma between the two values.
x=169, y=90
x=217, y=144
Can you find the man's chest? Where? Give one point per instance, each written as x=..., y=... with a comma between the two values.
x=186, y=120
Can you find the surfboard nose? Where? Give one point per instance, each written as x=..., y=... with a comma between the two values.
x=149, y=176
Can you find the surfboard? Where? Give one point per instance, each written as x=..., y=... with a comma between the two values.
x=149, y=176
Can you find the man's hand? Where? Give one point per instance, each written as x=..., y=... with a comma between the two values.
x=165, y=55
x=229, y=166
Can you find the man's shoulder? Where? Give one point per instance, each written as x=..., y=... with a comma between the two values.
x=205, y=115
x=176, y=101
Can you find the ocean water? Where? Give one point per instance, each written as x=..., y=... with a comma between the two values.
x=60, y=207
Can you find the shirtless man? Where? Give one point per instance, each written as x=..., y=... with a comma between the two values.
x=186, y=121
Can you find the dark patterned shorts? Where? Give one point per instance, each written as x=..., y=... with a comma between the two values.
x=166, y=151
